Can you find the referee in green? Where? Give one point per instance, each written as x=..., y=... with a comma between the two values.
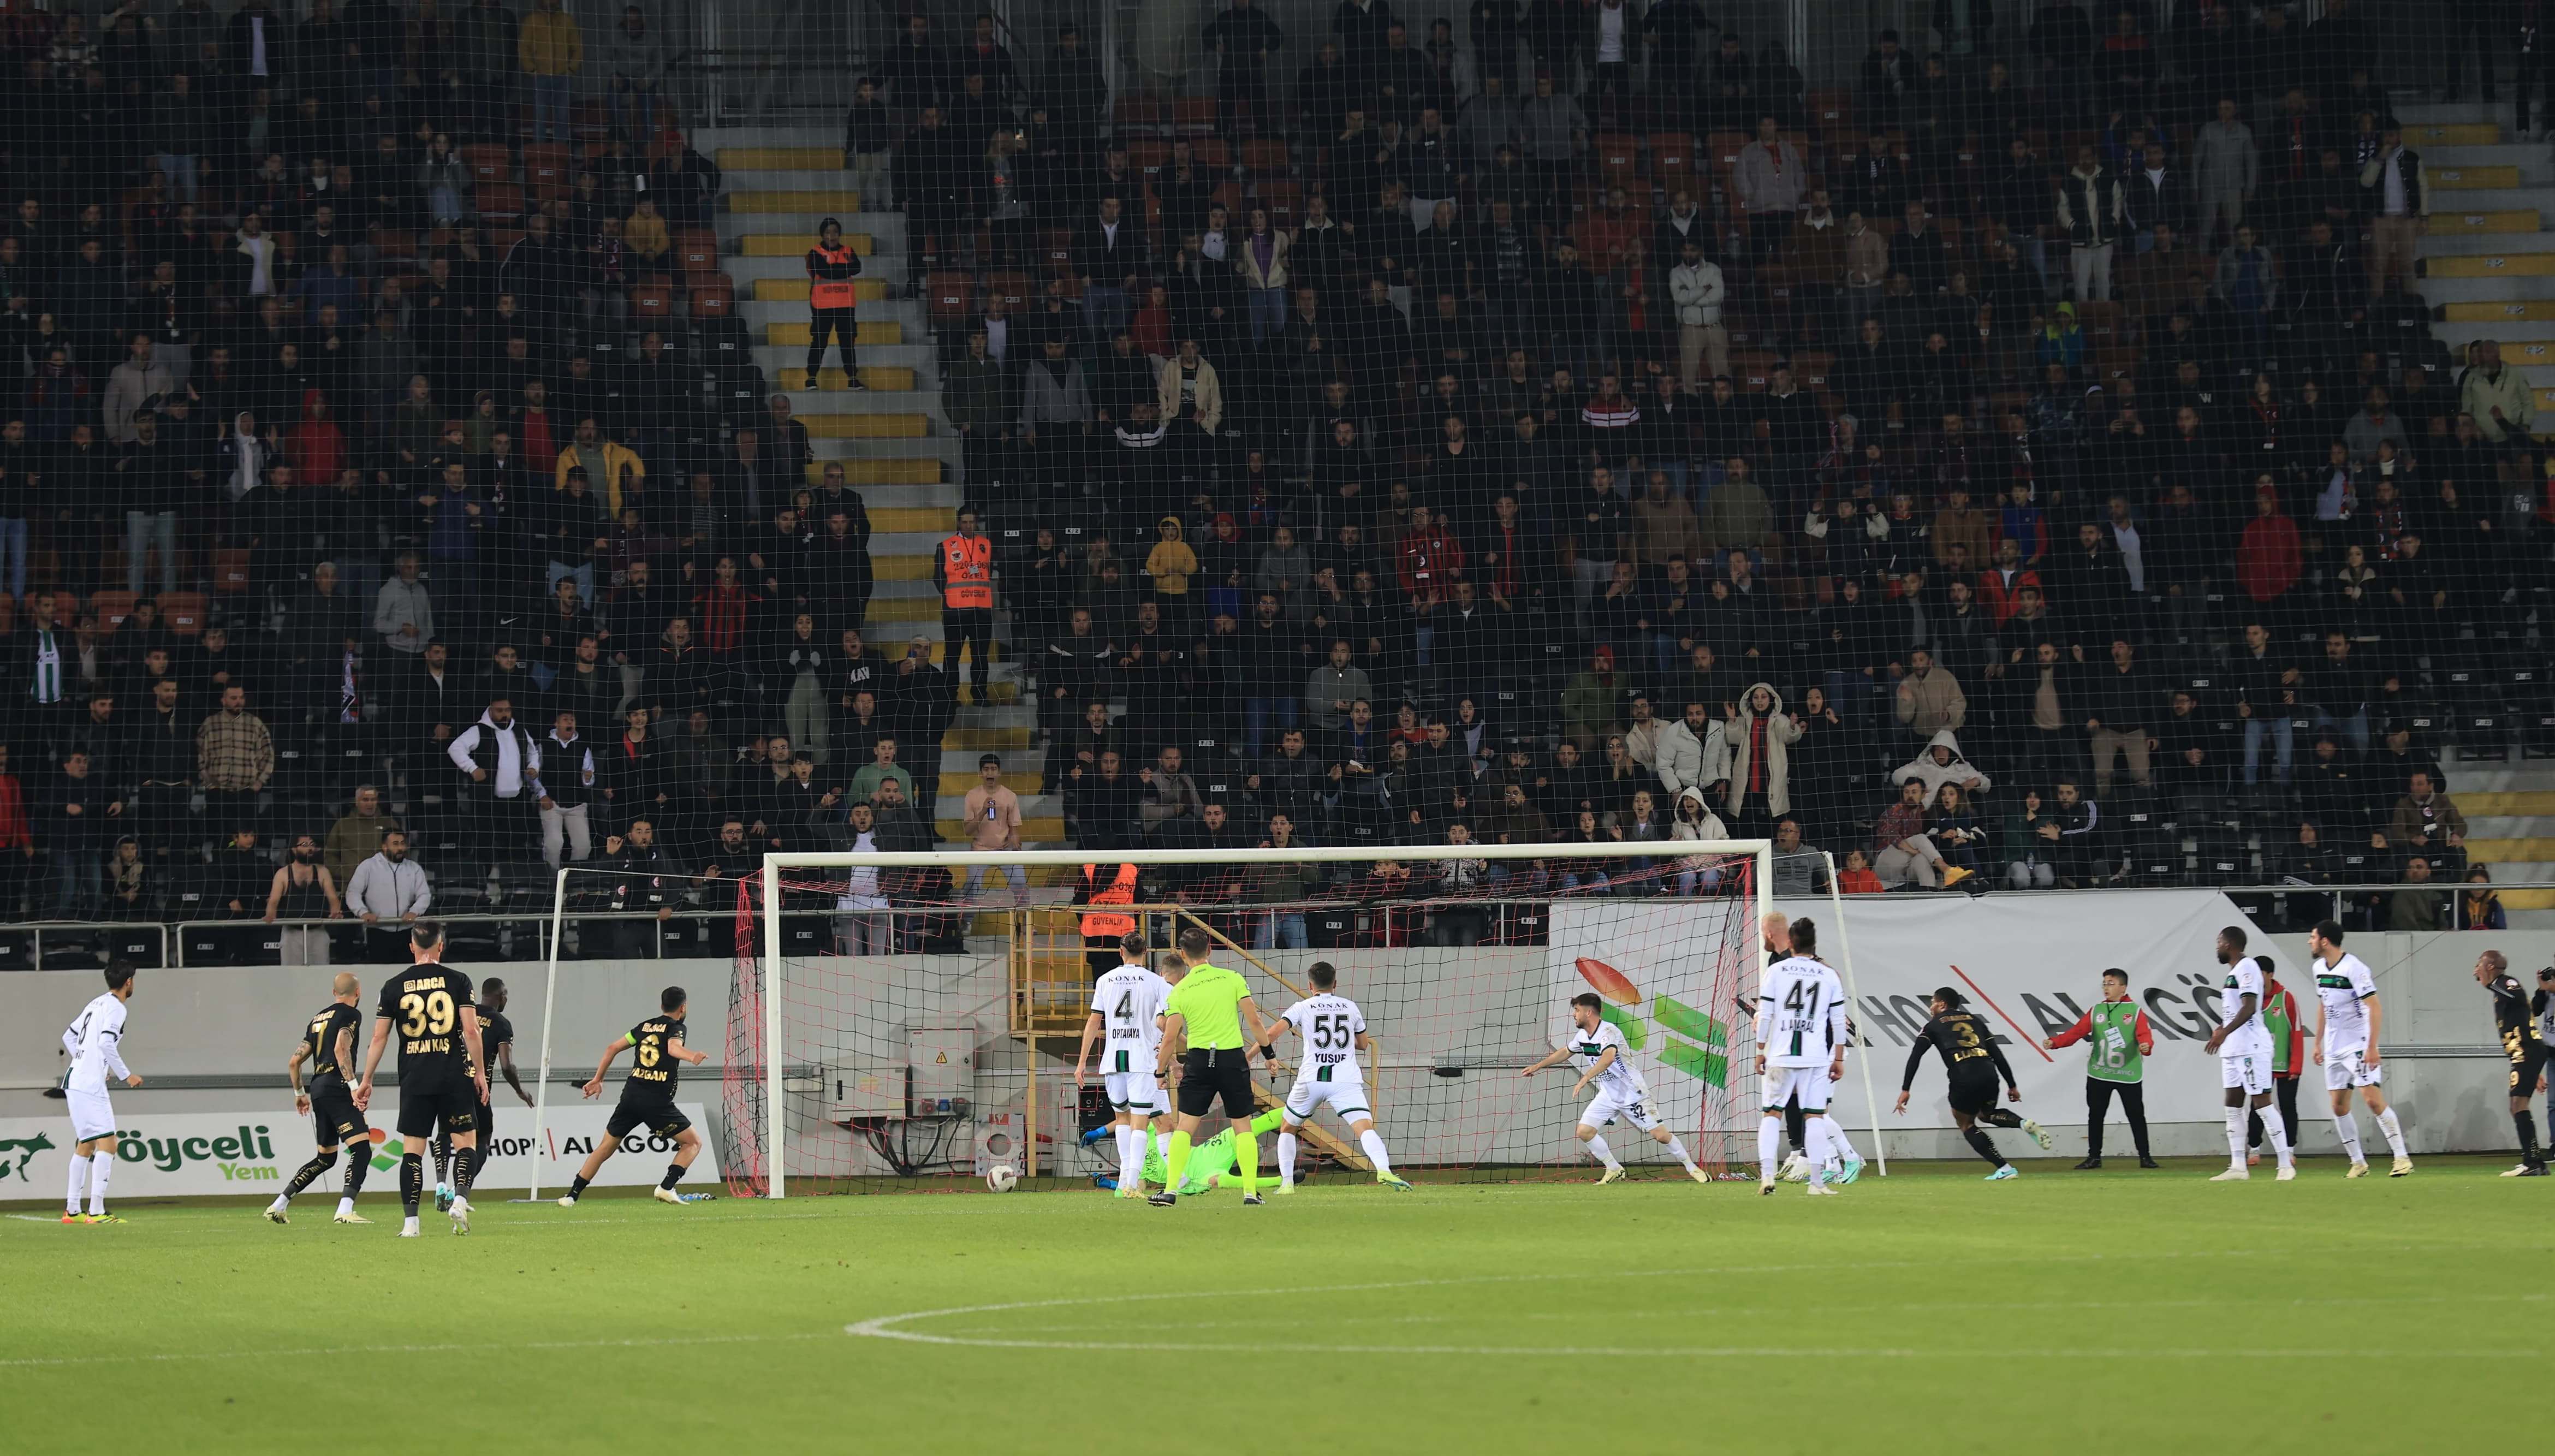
x=1202, y=1026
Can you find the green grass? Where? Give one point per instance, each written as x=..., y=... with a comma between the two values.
x=2136, y=1311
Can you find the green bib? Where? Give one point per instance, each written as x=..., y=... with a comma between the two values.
x=2112, y=1051
x=2276, y=1020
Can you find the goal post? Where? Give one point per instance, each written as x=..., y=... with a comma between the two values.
x=1464, y=958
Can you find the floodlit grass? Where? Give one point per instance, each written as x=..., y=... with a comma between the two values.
x=2138, y=1311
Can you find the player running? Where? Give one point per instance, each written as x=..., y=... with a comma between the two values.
x=441, y=1072
x=1334, y=1033
x=328, y=1045
x=2243, y=1047
x=1202, y=1026
x=1127, y=1007
x=497, y=1034
x=95, y=1041
x=1800, y=1052
x=1974, y=1064
x=2346, y=1047
x=1599, y=1051
x=647, y=1096
x=2514, y=1015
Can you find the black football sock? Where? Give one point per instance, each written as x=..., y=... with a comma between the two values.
x=308, y=1173
x=577, y=1188
x=465, y=1170
x=2526, y=1122
x=411, y=1182
x=2001, y=1117
x=1984, y=1145
x=478, y=1161
x=442, y=1147
x=359, y=1162
x=674, y=1175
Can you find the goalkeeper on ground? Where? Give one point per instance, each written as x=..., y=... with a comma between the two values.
x=1209, y=1162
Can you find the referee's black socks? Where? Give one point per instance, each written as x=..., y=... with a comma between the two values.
x=674, y=1175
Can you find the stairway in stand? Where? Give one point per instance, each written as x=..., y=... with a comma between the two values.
x=895, y=445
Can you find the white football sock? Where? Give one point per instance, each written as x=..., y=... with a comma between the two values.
x=2394, y=1131
x=2278, y=1133
x=1130, y=1156
x=345, y=1205
x=1286, y=1148
x=1604, y=1154
x=99, y=1163
x=1838, y=1141
x=1676, y=1149
x=2347, y=1127
x=1371, y=1141
x=79, y=1182
x=1770, y=1143
x=408, y=1225
x=2236, y=1137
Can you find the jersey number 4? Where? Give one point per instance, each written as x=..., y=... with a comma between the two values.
x=428, y=1015
x=1125, y=1010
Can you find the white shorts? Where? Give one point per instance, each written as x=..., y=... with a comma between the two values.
x=1634, y=1108
x=2345, y=1068
x=2251, y=1070
x=1135, y=1090
x=92, y=1116
x=1783, y=1084
x=1348, y=1099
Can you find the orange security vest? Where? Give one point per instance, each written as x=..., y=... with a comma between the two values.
x=1100, y=925
x=831, y=293
x=967, y=565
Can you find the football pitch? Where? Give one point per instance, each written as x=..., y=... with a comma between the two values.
x=2143, y=1311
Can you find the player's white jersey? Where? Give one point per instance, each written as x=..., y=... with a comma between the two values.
x=1800, y=1013
x=2247, y=1036
x=2344, y=987
x=1623, y=1080
x=94, y=1041
x=1128, y=1002
x=1330, y=1025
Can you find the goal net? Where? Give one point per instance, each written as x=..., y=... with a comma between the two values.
x=888, y=1030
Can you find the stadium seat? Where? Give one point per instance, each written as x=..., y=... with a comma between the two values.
x=230, y=572
x=186, y=612
x=951, y=298
x=488, y=162
x=1673, y=161
x=1264, y=157
x=1618, y=158
x=713, y=296
x=111, y=608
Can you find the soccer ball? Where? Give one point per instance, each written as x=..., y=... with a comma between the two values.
x=1001, y=1178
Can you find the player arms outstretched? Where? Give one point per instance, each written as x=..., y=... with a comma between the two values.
x=647, y=1096
x=1597, y=1048
x=1974, y=1064
x=1334, y=1033
x=328, y=1044
x=2346, y=1047
x=2243, y=1047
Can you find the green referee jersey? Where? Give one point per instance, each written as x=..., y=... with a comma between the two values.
x=1209, y=999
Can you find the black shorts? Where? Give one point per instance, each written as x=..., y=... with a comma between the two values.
x=455, y=1104
x=334, y=1121
x=2528, y=1070
x=1973, y=1094
x=1206, y=1072
x=660, y=1118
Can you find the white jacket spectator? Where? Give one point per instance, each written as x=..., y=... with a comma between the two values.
x=389, y=888
x=1940, y=763
x=403, y=612
x=1692, y=754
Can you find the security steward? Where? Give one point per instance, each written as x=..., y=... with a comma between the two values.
x=964, y=571
x=1102, y=928
x=832, y=294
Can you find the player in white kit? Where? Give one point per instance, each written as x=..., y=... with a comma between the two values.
x=2244, y=1046
x=1126, y=1006
x=1334, y=1033
x=95, y=1041
x=2346, y=1047
x=1800, y=1052
x=1597, y=1048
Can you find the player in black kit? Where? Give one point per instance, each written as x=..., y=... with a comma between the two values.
x=440, y=1074
x=1975, y=1067
x=2514, y=1015
x=497, y=1036
x=648, y=1097
x=327, y=1044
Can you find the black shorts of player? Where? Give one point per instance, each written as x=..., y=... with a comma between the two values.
x=1208, y=1073
x=455, y=1102
x=1973, y=1094
x=334, y=1121
x=660, y=1118
x=2528, y=1069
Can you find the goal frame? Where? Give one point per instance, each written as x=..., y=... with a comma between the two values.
x=778, y=866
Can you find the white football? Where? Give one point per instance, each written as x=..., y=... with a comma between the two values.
x=1001, y=1178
